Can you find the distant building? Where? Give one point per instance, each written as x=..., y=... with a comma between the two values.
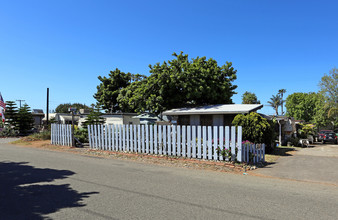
x=38, y=116
x=210, y=115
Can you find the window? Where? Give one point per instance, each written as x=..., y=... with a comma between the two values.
x=206, y=120
x=183, y=120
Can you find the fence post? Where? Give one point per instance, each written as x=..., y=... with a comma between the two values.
x=215, y=142
x=142, y=138
x=209, y=143
x=135, y=138
x=169, y=140
x=233, y=143
x=184, y=146
x=147, y=138
x=221, y=142
x=204, y=128
x=160, y=139
x=239, y=143
x=189, y=141
x=127, y=134
x=179, y=152
x=164, y=150
x=155, y=139
x=151, y=139
x=193, y=130
x=174, y=141
x=199, y=141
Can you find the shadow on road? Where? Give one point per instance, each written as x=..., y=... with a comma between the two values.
x=24, y=193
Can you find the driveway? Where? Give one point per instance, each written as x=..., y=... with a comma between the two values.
x=318, y=163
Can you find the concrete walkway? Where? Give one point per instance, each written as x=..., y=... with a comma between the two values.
x=315, y=164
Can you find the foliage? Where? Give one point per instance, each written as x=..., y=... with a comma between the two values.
x=63, y=108
x=255, y=128
x=110, y=87
x=225, y=152
x=250, y=98
x=94, y=118
x=294, y=141
x=11, y=114
x=329, y=89
x=180, y=83
x=275, y=102
x=8, y=132
x=44, y=135
x=304, y=106
x=81, y=134
x=25, y=120
x=307, y=129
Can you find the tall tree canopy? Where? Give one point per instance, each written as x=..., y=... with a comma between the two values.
x=63, y=108
x=180, y=83
x=329, y=88
x=304, y=106
x=110, y=87
x=250, y=98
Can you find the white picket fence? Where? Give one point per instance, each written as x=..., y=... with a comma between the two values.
x=202, y=142
x=61, y=134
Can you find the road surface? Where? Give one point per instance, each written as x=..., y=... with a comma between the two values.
x=42, y=184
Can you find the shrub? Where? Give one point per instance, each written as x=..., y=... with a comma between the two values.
x=44, y=135
x=81, y=134
x=9, y=132
x=256, y=129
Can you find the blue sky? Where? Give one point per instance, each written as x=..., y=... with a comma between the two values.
x=66, y=45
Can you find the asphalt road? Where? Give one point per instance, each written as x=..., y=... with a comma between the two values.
x=41, y=184
x=318, y=163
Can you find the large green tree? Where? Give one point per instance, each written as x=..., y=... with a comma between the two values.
x=180, y=83
x=110, y=87
x=304, y=106
x=329, y=88
x=250, y=98
x=63, y=108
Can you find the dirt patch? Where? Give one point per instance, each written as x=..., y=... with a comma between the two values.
x=138, y=157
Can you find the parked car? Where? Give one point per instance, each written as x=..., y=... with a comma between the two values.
x=329, y=137
x=321, y=135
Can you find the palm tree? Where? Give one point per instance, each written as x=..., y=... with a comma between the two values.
x=275, y=102
x=281, y=92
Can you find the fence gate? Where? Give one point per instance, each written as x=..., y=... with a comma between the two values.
x=61, y=134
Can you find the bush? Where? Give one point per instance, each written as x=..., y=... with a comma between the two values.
x=256, y=129
x=44, y=135
x=294, y=141
x=9, y=132
x=81, y=134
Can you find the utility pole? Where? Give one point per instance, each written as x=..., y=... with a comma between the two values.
x=47, y=107
x=20, y=100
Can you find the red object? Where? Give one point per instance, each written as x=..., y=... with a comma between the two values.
x=2, y=103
